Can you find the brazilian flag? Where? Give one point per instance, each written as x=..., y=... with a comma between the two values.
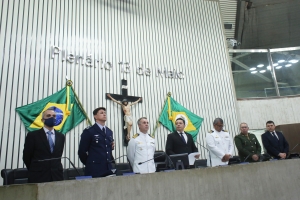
x=173, y=110
x=68, y=112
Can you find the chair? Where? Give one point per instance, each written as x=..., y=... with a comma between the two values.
x=293, y=156
x=122, y=168
x=201, y=163
x=14, y=176
x=234, y=160
x=71, y=173
x=160, y=160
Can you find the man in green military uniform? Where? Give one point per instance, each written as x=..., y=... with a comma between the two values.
x=247, y=144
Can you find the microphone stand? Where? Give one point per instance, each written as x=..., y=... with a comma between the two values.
x=294, y=147
x=116, y=158
x=49, y=159
x=151, y=159
x=208, y=152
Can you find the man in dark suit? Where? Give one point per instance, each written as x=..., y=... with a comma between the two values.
x=96, y=145
x=274, y=142
x=45, y=143
x=179, y=141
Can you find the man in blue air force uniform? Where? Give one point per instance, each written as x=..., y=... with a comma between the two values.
x=96, y=145
x=141, y=149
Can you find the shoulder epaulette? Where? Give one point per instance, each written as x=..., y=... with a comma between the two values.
x=88, y=127
x=224, y=130
x=136, y=135
x=151, y=136
x=211, y=131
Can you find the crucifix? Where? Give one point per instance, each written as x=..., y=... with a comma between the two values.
x=124, y=100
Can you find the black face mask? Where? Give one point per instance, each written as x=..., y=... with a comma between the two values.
x=50, y=122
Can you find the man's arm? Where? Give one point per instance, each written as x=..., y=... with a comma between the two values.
x=28, y=149
x=108, y=95
x=268, y=145
x=131, y=151
x=170, y=145
x=136, y=102
x=286, y=145
x=84, y=146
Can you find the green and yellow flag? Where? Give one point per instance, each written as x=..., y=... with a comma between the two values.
x=173, y=110
x=68, y=112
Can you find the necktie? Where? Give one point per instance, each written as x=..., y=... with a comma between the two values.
x=181, y=135
x=51, y=143
x=276, y=135
x=103, y=129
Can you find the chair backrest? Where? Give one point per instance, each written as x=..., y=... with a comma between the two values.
x=200, y=163
x=71, y=173
x=122, y=168
x=160, y=160
x=14, y=176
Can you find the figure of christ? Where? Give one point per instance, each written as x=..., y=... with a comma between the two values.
x=127, y=113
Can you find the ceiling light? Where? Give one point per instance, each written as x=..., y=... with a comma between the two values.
x=281, y=61
x=253, y=68
x=253, y=72
x=262, y=71
x=293, y=61
x=288, y=65
x=275, y=64
x=260, y=65
x=269, y=67
x=278, y=67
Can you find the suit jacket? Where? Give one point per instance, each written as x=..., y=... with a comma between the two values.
x=175, y=145
x=95, y=151
x=37, y=147
x=273, y=145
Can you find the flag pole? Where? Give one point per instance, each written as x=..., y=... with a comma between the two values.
x=157, y=122
x=70, y=83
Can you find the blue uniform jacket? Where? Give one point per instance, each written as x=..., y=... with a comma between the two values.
x=95, y=151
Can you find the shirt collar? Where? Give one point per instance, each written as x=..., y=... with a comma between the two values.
x=46, y=130
x=100, y=126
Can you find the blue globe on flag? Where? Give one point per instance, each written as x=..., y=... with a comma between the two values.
x=59, y=115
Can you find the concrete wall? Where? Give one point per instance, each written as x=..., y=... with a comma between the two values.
x=268, y=180
x=257, y=112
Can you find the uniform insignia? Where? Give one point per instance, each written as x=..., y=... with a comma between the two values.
x=211, y=131
x=224, y=130
x=135, y=136
x=151, y=136
x=88, y=127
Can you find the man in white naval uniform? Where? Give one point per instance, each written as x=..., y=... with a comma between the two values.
x=220, y=145
x=141, y=149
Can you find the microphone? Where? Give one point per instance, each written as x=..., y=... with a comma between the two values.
x=116, y=158
x=59, y=158
x=208, y=152
x=151, y=159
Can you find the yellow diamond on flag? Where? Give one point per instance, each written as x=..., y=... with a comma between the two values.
x=188, y=124
x=61, y=116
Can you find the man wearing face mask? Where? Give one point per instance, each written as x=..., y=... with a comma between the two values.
x=45, y=143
